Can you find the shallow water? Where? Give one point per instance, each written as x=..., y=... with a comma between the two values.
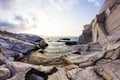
x=52, y=54
x=58, y=49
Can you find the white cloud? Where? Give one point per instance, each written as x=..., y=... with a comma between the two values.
x=39, y=16
x=96, y=2
x=63, y=4
x=7, y=4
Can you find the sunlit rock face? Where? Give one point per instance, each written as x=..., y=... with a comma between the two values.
x=99, y=54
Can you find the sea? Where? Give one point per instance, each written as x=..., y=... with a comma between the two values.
x=52, y=55
x=58, y=49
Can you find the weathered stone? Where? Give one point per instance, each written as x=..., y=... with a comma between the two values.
x=100, y=18
x=11, y=54
x=83, y=74
x=43, y=44
x=29, y=38
x=19, y=70
x=108, y=4
x=110, y=71
x=83, y=60
x=112, y=46
x=90, y=47
x=116, y=54
x=4, y=73
x=87, y=27
x=99, y=33
x=113, y=54
x=85, y=37
x=70, y=67
x=59, y=75
x=112, y=22
x=16, y=45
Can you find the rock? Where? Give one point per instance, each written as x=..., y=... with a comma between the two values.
x=70, y=67
x=76, y=52
x=41, y=51
x=43, y=44
x=109, y=71
x=71, y=43
x=59, y=75
x=29, y=38
x=11, y=54
x=19, y=70
x=87, y=27
x=36, y=58
x=16, y=45
x=31, y=76
x=83, y=74
x=65, y=39
x=4, y=73
x=87, y=48
x=107, y=4
x=83, y=60
x=85, y=37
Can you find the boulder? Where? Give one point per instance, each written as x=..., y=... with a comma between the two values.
x=43, y=44
x=83, y=74
x=59, y=75
x=20, y=70
x=83, y=60
x=71, y=43
x=4, y=73
x=65, y=39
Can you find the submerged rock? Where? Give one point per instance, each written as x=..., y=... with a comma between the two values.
x=43, y=44
x=65, y=39
x=71, y=43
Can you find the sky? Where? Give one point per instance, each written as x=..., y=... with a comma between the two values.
x=47, y=17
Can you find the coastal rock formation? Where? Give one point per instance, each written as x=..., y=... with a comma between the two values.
x=96, y=57
x=97, y=54
x=86, y=36
x=15, y=46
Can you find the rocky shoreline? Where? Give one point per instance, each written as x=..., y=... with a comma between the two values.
x=96, y=56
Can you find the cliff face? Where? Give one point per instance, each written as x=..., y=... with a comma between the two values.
x=97, y=54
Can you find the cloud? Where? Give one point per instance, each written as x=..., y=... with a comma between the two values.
x=17, y=25
x=63, y=4
x=6, y=4
x=96, y=2
x=19, y=18
x=4, y=25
